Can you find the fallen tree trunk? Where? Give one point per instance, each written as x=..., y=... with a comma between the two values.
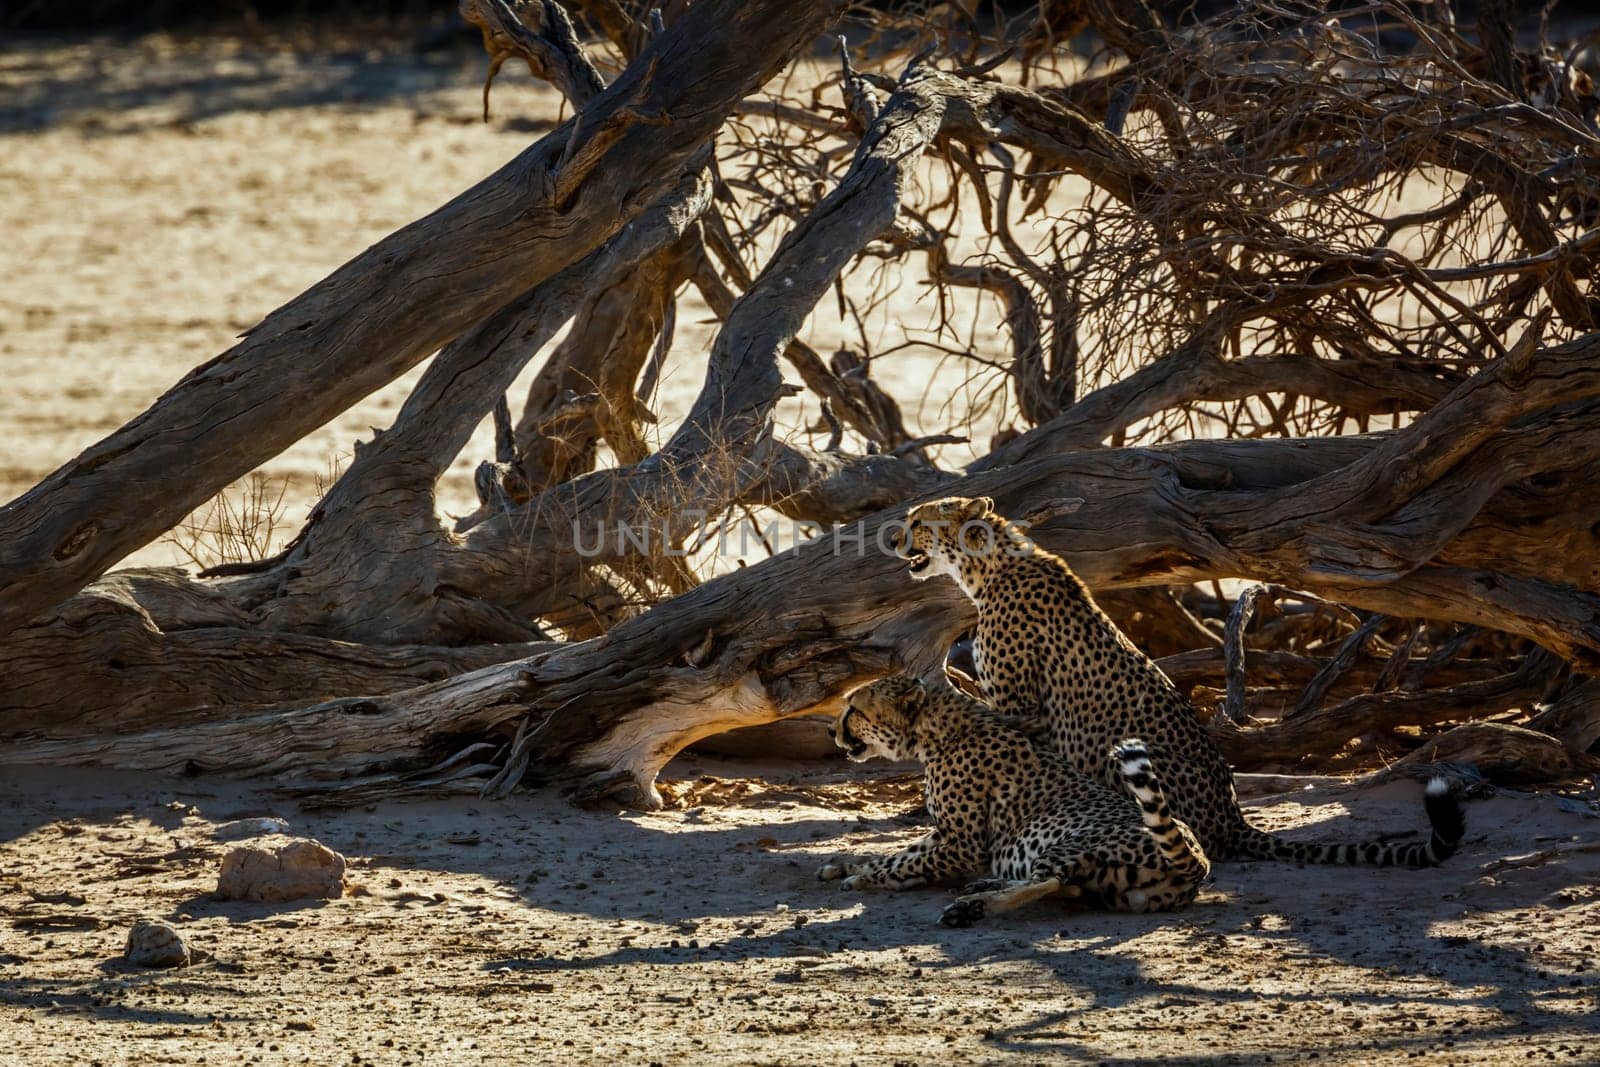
x=1503, y=753
x=391, y=306
x=1143, y=523
x=1323, y=732
x=156, y=649
x=367, y=566
x=1259, y=270
x=1294, y=671
x=375, y=563
x=789, y=635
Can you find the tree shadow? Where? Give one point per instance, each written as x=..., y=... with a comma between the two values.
x=207, y=905
x=107, y=85
x=100, y=1002
x=1373, y=919
x=705, y=886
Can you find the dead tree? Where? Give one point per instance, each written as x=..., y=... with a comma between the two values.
x=1233, y=333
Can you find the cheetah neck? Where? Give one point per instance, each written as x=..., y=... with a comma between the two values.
x=973, y=570
x=1081, y=628
x=933, y=727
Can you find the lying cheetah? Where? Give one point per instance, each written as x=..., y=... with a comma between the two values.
x=1003, y=804
x=1045, y=650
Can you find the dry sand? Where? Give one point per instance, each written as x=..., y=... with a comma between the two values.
x=158, y=198
x=530, y=930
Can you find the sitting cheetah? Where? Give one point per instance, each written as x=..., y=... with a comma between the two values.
x=1044, y=649
x=1003, y=804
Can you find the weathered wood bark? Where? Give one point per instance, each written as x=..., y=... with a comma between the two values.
x=1182, y=514
x=1504, y=753
x=1573, y=718
x=1194, y=372
x=705, y=459
x=787, y=636
x=1151, y=516
x=400, y=577
x=1324, y=731
x=705, y=465
x=1156, y=620
x=395, y=303
x=862, y=407
x=1291, y=671
x=101, y=662
x=377, y=538
x=323, y=742
x=584, y=394
x=1465, y=515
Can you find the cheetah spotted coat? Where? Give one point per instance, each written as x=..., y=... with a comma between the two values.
x=1004, y=805
x=1047, y=655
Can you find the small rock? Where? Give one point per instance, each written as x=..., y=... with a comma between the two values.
x=156, y=944
x=239, y=829
x=287, y=869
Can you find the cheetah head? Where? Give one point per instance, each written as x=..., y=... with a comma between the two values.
x=938, y=536
x=877, y=721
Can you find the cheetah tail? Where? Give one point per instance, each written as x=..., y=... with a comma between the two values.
x=1444, y=814
x=1133, y=758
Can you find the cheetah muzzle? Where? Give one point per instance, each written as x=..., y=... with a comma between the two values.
x=917, y=560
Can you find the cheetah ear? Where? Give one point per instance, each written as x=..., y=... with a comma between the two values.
x=978, y=508
x=916, y=699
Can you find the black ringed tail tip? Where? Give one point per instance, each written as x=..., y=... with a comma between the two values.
x=1445, y=815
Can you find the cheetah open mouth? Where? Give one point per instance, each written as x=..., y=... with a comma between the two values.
x=854, y=748
x=918, y=561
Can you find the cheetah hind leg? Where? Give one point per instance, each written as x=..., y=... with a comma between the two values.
x=972, y=906
x=990, y=885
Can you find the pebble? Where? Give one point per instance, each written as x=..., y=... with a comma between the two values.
x=156, y=944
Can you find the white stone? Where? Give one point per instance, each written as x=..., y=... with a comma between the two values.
x=277, y=869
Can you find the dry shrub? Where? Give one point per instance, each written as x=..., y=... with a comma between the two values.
x=244, y=523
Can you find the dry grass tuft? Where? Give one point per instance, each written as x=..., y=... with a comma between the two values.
x=242, y=524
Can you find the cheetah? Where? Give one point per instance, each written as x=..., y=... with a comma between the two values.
x=1044, y=650
x=1006, y=805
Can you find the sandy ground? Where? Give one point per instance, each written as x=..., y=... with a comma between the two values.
x=531, y=930
x=160, y=197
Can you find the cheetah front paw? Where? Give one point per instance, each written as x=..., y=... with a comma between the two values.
x=832, y=871
x=963, y=911
x=983, y=885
